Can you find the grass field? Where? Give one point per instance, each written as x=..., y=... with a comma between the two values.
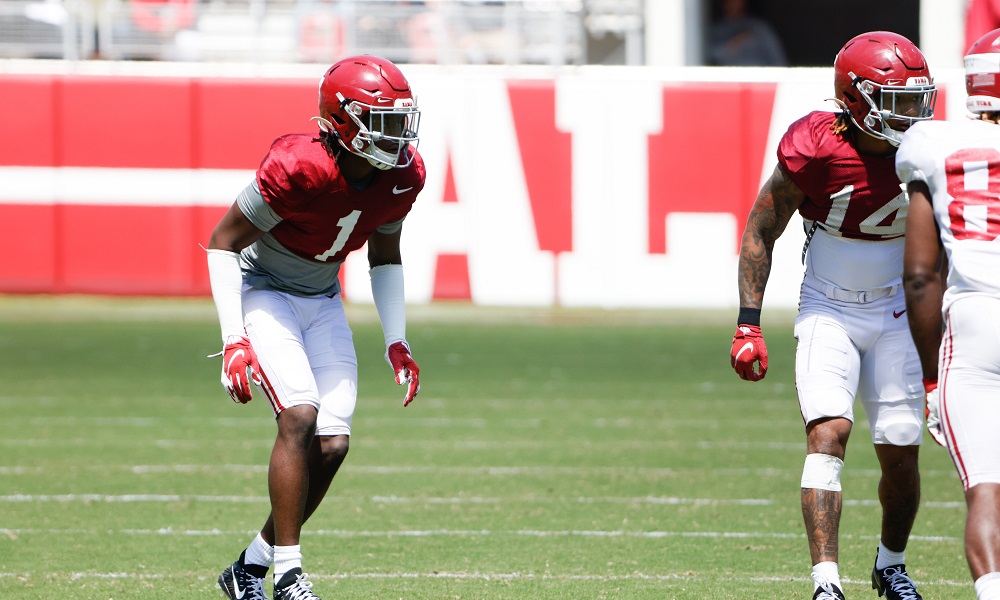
x=552, y=454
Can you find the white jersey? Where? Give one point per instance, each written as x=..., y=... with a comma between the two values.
x=960, y=162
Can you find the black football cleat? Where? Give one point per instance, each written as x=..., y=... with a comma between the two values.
x=243, y=582
x=893, y=583
x=294, y=585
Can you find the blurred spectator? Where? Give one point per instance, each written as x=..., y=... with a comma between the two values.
x=320, y=32
x=981, y=17
x=737, y=38
x=149, y=30
x=426, y=33
x=162, y=17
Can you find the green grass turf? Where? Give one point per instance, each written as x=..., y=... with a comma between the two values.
x=555, y=454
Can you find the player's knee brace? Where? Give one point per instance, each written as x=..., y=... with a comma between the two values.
x=903, y=432
x=822, y=472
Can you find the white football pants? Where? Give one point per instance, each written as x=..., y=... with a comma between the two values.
x=306, y=352
x=864, y=351
x=969, y=388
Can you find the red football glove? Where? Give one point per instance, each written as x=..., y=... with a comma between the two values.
x=405, y=369
x=932, y=411
x=239, y=366
x=748, y=348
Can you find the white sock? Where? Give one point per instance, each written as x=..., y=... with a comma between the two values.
x=286, y=558
x=887, y=558
x=259, y=552
x=828, y=571
x=988, y=587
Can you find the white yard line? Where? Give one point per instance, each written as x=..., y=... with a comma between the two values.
x=132, y=498
x=479, y=575
x=538, y=533
x=525, y=499
x=484, y=470
x=374, y=442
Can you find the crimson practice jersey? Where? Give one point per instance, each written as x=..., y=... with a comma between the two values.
x=960, y=162
x=854, y=206
x=314, y=218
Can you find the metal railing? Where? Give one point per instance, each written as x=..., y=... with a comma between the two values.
x=549, y=32
x=47, y=29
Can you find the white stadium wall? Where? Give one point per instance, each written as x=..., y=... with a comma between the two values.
x=590, y=186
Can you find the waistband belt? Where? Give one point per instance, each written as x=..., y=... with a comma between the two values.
x=852, y=296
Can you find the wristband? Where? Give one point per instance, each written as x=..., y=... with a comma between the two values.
x=930, y=385
x=749, y=316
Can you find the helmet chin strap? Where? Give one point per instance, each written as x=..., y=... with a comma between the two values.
x=840, y=104
x=324, y=125
x=378, y=158
x=892, y=136
x=874, y=118
x=882, y=133
x=381, y=166
x=888, y=133
x=327, y=127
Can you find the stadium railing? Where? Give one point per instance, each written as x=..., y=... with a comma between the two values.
x=509, y=32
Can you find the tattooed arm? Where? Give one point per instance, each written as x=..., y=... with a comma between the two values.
x=923, y=277
x=777, y=200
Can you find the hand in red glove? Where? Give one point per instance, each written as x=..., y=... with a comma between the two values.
x=405, y=369
x=748, y=348
x=239, y=367
x=932, y=411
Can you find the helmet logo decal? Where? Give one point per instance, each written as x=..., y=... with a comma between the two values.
x=984, y=78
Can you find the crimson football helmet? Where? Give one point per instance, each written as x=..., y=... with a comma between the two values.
x=366, y=103
x=882, y=81
x=982, y=74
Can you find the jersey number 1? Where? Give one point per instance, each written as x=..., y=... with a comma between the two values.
x=347, y=225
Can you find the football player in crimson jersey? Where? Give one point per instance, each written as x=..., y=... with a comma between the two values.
x=273, y=262
x=952, y=172
x=837, y=170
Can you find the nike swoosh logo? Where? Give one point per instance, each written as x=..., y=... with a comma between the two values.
x=896, y=315
x=396, y=190
x=236, y=588
x=233, y=358
x=746, y=346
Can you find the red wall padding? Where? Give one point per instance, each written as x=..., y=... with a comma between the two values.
x=707, y=158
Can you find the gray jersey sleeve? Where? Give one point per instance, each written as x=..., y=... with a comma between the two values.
x=252, y=203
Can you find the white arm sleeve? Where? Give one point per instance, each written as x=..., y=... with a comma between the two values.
x=227, y=290
x=387, y=291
